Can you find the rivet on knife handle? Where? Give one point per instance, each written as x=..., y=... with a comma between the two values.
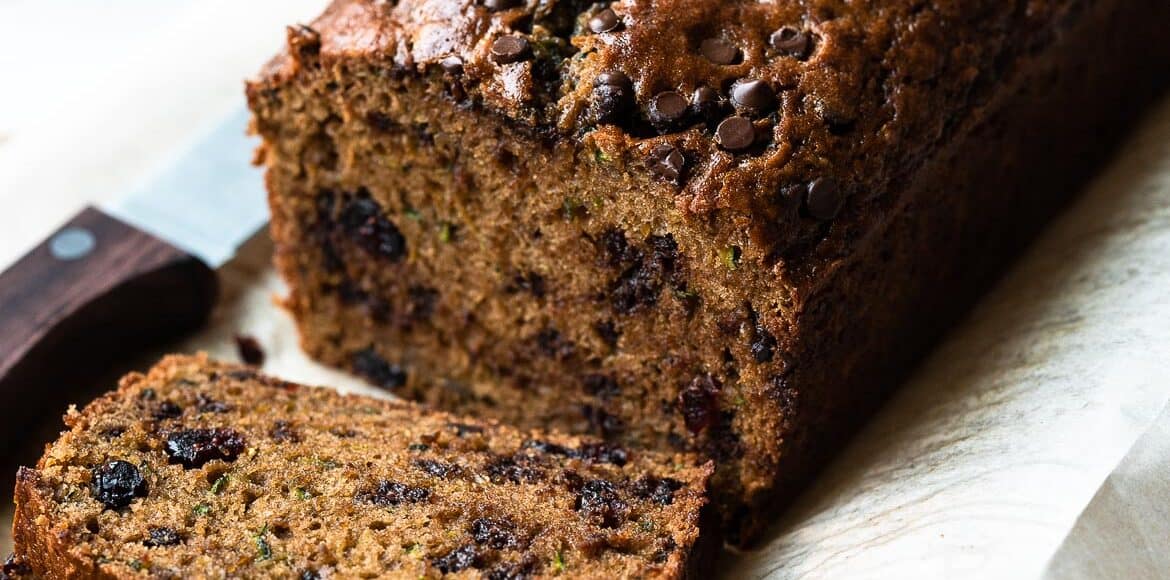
x=96, y=289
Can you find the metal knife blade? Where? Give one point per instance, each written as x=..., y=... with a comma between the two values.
x=208, y=201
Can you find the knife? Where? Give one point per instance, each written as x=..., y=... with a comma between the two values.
x=135, y=272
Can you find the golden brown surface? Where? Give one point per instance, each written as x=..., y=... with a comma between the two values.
x=321, y=486
x=525, y=259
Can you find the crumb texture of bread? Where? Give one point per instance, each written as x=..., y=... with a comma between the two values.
x=204, y=470
x=722, y=227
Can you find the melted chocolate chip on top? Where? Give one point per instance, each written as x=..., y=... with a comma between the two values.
x=510, y=49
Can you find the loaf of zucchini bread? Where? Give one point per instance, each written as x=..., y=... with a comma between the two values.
x=205, y=470
x=721, y=226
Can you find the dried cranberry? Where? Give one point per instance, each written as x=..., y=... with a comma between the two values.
x=553, y=345
x=723, y=443
x=438, y=468
x=117, y=483
x=283, y=431
x=523, y=570
x=698, y=402
x=162, y=537
x=167, y=410
x=664, y=550
x=530, y=282
x=14, y=568
x=422, y=303
x=363, y=220
x=604, y=453
x=660, y=490
x=599, y=501
x=550, y=448
x=604, y=387
x=594, y=452
x=504, y=469
x=608, y=333
x=763, y=342
x=602, y=422
x=249, y=350
x=641, y=283
x=194, y=447
x=617, y=249
x=389, y=493
x=206, y=404
x=460, y=558
x=496, y=533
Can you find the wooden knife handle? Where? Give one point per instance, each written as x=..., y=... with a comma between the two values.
x=95, y=290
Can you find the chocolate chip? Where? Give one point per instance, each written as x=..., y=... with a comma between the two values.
x=753, y=95
x=667, y=162
x=390, y=493
x=249, y=350
x=790, y=41
x=615, y=78
x=719, y=51
x=117, y=483
x=824, y=199
x=460, y=558
x=194, y=447
x=496, y=533
x=706, y=102
x=498, y=5
x=667, y=107
x=604, y=21
x=509, y=49
x=162, y=537
x=452, y=65
x=613, y=94
x=735, y=133
x=369, y=364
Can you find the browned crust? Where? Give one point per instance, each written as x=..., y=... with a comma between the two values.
x=45, y=550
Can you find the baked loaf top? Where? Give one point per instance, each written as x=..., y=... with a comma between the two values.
x=206, y=470
x=785, y=115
